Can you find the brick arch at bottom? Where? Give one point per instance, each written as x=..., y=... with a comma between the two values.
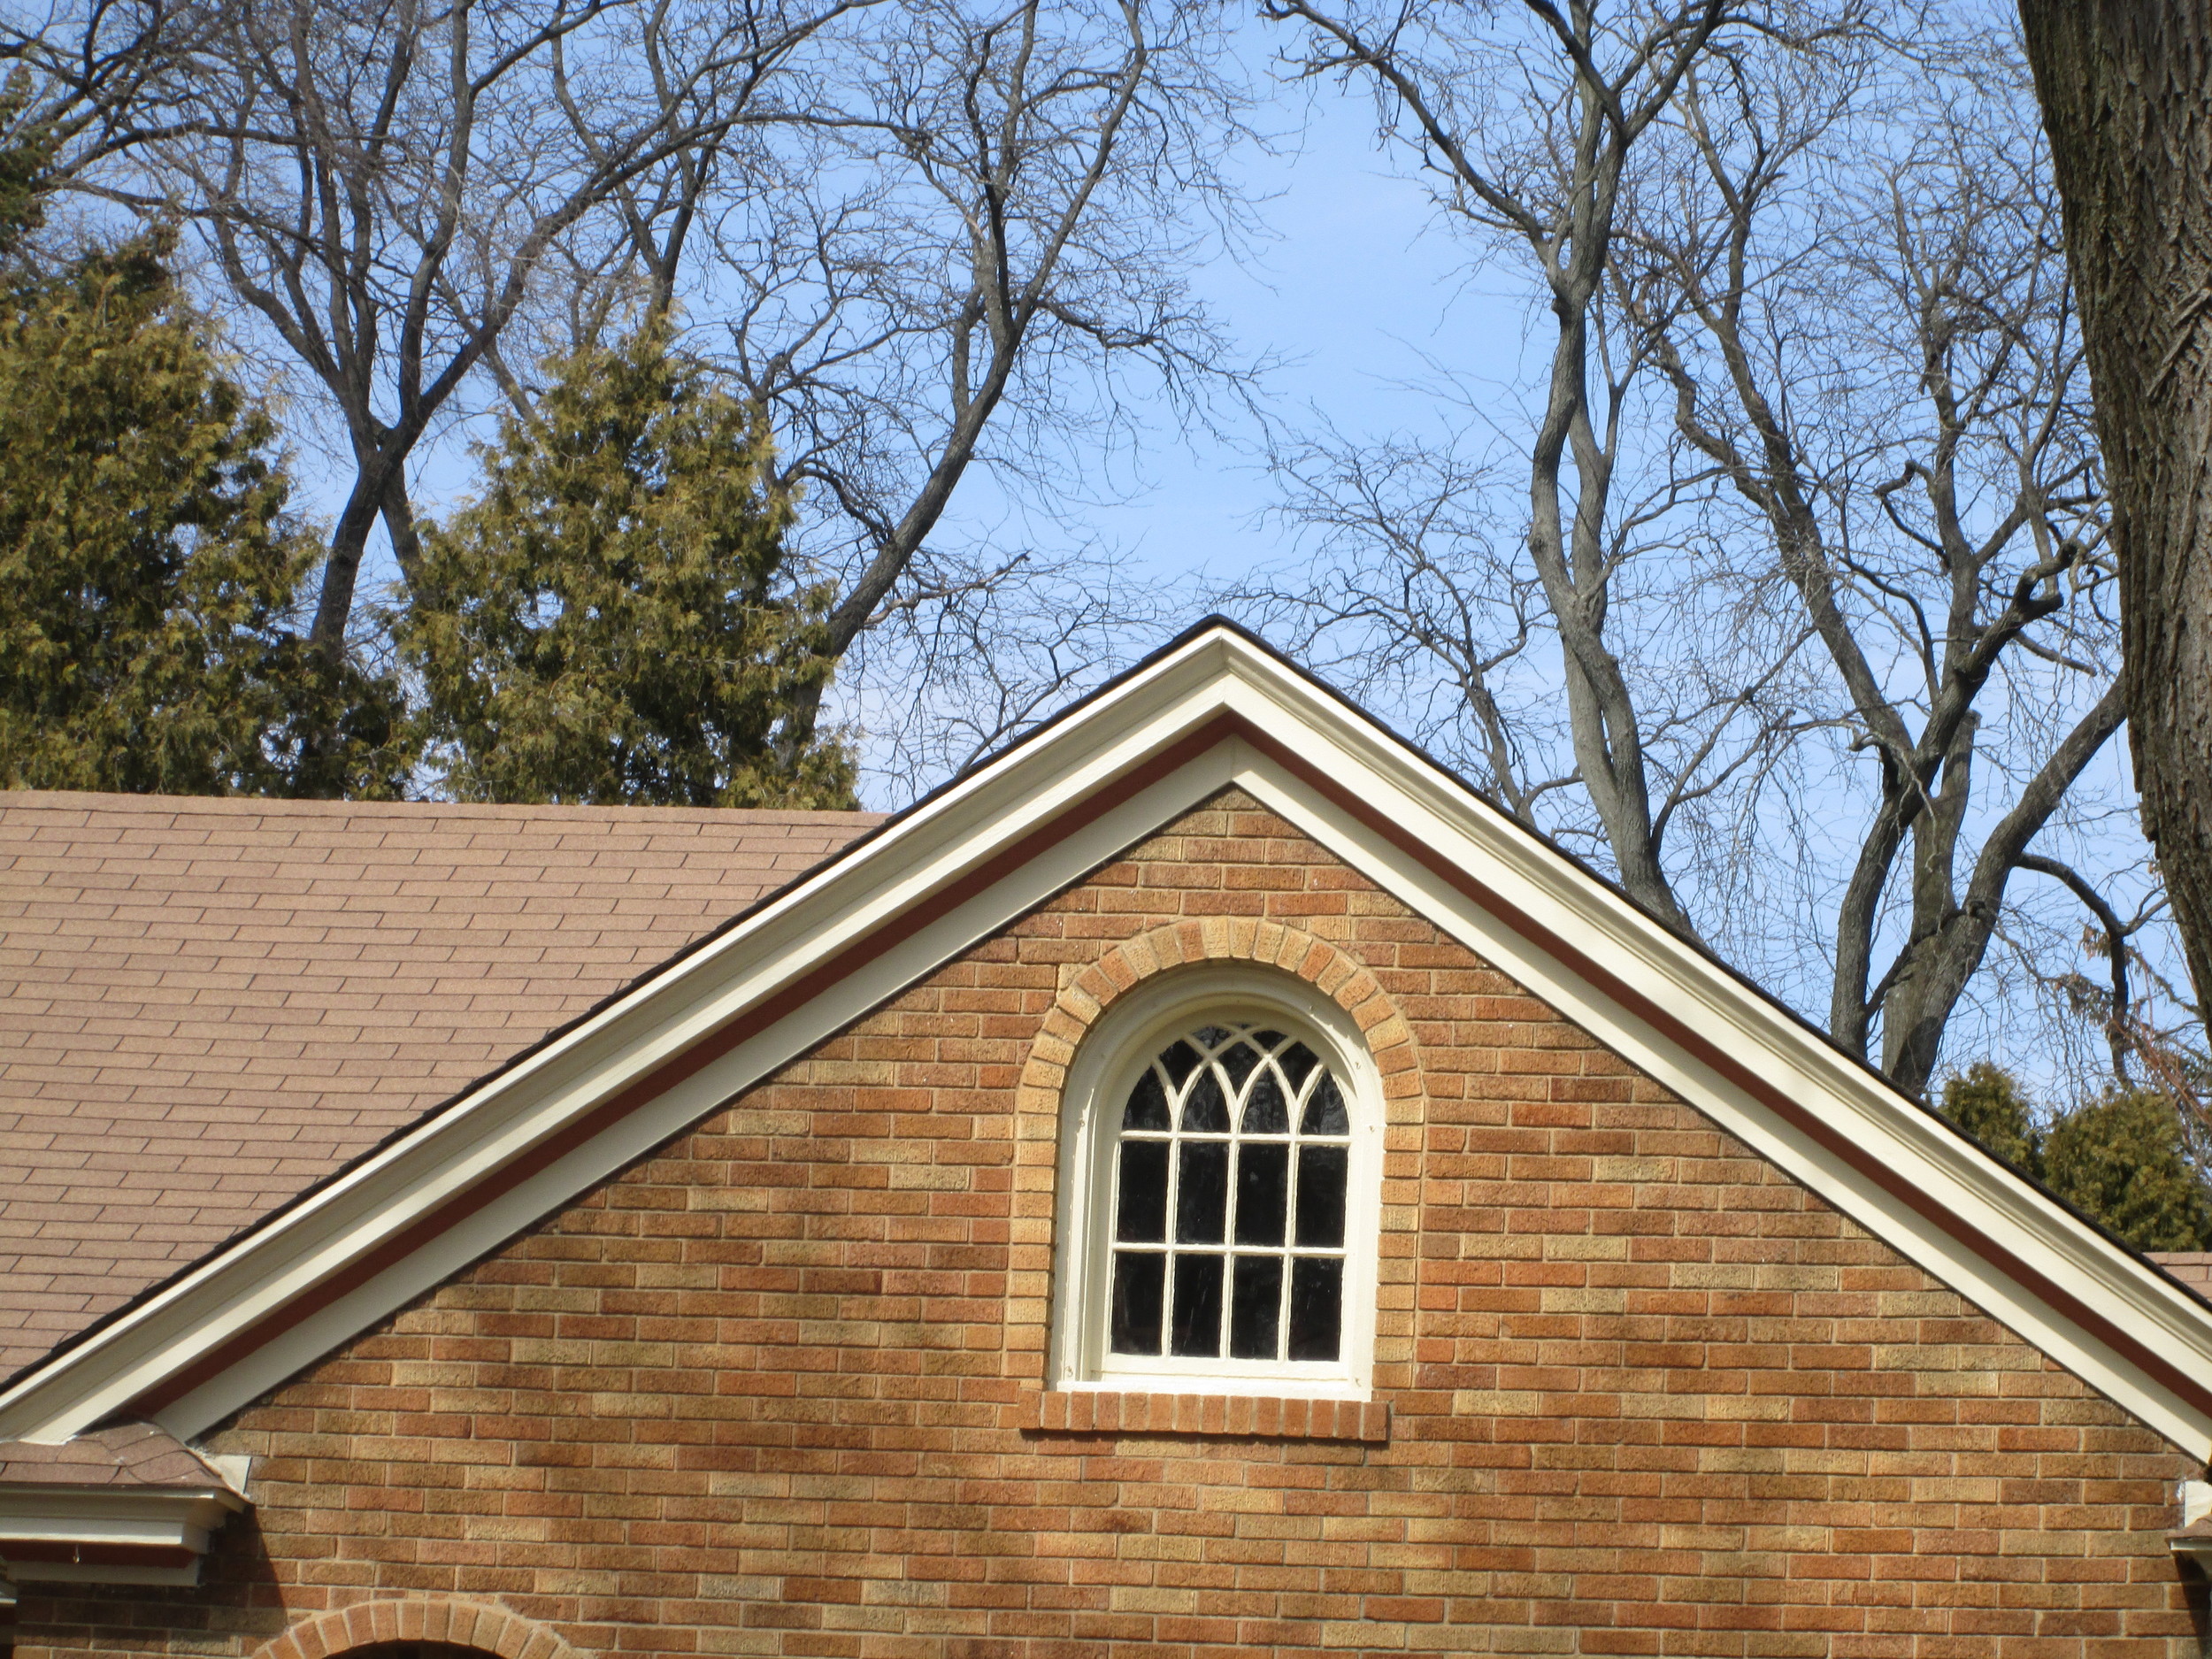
x=428, y=1625
x=1084, y=1000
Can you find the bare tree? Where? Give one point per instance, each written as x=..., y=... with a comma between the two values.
x=1529, y=123
x=1835, y=512
x=943, y=283
x=1418, y=598
x=88, y=88
x=957, y=277
x=1534, y=120
x=379, y=187
x=1888, y=374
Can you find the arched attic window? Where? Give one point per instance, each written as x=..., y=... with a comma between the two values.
x=1222, y=1170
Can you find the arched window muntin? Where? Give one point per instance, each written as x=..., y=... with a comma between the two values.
x=1118, y=1055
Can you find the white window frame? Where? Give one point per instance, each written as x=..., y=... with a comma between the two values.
x=1112, y=1056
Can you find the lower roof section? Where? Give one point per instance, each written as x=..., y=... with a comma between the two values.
x=208, y=1005
x=123, y=1504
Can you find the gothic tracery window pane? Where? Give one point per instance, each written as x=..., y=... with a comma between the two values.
x=1242, y=1136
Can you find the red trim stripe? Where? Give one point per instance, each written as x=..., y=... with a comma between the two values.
x=48, y=1551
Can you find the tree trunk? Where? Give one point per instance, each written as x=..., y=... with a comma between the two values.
x=341, y=567
x=1941, y=959
x=399, y=524
x=2126, y=90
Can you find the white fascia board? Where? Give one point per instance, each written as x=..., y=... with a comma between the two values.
x=950, y=837
x=635, y=1135
x=1895, y=1133
x=105, y=1516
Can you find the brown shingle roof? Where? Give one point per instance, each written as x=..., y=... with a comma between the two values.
x=121, y=1454
x=207, y=1005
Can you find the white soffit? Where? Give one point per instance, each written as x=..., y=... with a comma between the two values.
x=100, y=1526
x=994, y=846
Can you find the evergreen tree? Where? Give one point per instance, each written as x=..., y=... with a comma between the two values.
x=26, y=160
x=601, y=625
x=2122, y=1159
x=148, y=565
x=1986, y=1102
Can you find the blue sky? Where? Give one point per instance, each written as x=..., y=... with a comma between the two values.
x=1355, y=294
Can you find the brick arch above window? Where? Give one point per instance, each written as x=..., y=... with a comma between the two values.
x=1092, y=991
x=420, y=1627
x=1132, y=963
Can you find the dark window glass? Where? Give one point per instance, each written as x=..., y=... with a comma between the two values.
x=1263, y=1192
x=1197, y=1316
x=1205, y=1112
x=1181, y=1060
x=1321, y=1172
x=1237, y=1060
x=1325, y=1110
x=1201, y=1193
x=1142, y=1216
x=1221, y=1109
x=1255, y=1307
x=1265, y=1111
x=1139, y=1279
x=1147, y=1103
x=1317, y=1307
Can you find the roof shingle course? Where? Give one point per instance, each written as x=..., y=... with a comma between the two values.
x=206, y=1005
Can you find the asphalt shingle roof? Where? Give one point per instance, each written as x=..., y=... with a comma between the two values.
x=206, y=1005
x=120, y=1454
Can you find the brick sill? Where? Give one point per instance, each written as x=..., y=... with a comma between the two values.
x=1260, y=1416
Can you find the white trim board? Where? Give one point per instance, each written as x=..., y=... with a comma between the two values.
x=959, y=864
x=111, y=1520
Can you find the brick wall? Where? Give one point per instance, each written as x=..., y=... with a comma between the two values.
x=767, y=1393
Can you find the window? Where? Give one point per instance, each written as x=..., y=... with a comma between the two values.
x=1222, y=1189
x=1229, y=1202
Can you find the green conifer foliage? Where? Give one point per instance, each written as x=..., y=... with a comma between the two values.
x=147, y=561
x=1986, y=1102
x=26, y=161
x=2121, y=1159
x=603, y=625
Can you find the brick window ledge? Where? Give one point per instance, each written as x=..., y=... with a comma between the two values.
x=1263, y=1416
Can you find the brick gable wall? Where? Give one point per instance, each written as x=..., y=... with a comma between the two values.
x=769, y=1391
